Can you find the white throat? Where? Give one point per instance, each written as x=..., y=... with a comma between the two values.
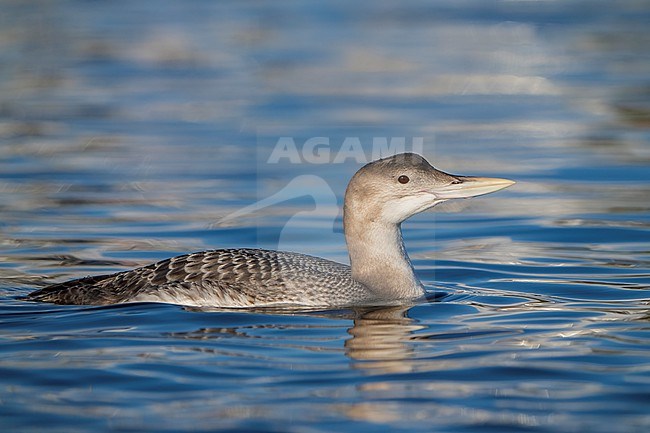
x=379, y=261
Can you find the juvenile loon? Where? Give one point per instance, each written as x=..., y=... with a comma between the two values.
x=379, y=197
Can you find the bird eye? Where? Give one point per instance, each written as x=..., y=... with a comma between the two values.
x=456, y=182
x=403, y=179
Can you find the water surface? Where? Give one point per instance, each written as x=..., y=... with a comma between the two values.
x=131, y=132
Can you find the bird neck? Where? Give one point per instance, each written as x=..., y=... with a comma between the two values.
x=378, y=258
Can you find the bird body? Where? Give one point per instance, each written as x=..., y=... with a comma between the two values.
x=228, y=277
x=379, y=197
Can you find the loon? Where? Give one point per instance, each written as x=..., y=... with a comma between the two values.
x=379, y=197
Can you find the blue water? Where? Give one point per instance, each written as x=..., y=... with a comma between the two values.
x=134, y=131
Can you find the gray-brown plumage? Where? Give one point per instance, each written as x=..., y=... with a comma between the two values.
x=379, y=197
x=233, y=277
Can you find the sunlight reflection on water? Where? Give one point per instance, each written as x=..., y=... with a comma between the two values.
x=130, y=134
